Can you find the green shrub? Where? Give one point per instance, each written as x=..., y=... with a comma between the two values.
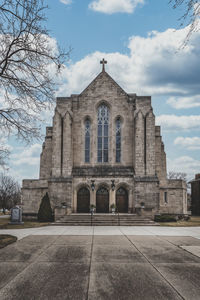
x=165, y=218
x=45, y=213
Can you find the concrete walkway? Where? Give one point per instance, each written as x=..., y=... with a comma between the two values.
x=107, y=267
x=105, y=230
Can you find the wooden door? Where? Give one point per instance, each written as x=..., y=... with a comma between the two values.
x=102, y=200
x=83, y=200
x=122, y=200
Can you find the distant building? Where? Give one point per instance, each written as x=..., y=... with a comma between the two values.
x=103, y=149
x=195, y=195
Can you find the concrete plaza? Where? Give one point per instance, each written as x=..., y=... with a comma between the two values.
x=57, y=262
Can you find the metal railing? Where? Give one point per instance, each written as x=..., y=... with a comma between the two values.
x=118, y=217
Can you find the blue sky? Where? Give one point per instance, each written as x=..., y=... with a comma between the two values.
x=142, y=47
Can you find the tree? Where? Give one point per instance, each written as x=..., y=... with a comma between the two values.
x=191, y=14
x=45, y=213
x=10, y=193
x=28, y=57
x=4, y=154
x=177, y=175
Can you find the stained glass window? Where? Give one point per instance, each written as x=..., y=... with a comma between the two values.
x=103, y=133
x=118, y=140
x=87, y=141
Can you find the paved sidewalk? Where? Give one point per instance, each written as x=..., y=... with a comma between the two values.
x=107, y=267
x=105, y=230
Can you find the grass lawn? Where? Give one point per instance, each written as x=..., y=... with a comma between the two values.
x=4, y=224
x=194, y=221
x=6, y=239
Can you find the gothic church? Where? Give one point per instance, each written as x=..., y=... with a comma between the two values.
x=104, y=149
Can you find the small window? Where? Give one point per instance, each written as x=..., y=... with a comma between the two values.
x=165, y=198
x=118, y=140
x=87, y=141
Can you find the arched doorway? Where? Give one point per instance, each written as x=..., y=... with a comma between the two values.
x=83, y=200
x=102, y=200
x=122, y=200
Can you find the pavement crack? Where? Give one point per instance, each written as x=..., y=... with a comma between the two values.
x=90, y=266
x=154, y=267
x=29, y=263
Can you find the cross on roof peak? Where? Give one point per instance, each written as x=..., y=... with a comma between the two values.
x=103, y=62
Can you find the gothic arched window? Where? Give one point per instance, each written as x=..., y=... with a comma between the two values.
x=118, y=140
x=103, y=135
x=87, y=141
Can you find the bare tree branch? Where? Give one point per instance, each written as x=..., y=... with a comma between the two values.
x=190, y=16
x=177, y=175
x=26, y=55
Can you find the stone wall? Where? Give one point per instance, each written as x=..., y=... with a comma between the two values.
x=147, y=191
x=46, y=155
x=32, y=194
x=103, y=90
x=60, y=191
x=176, y=197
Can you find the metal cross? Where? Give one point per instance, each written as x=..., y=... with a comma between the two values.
x=103, y=62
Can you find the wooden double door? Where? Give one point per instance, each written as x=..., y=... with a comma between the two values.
x=122, y=200
x=102, y=200
x=83, y=200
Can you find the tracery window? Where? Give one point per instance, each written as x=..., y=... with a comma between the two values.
x=87, y=140
x=103, y=134
x=118, y=140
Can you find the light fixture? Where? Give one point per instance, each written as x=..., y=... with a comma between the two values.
x=113, y=185
x=92, y=185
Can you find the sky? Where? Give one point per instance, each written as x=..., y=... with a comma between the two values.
x=142, y=42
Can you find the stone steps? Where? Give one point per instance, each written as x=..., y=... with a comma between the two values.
x=105, y=220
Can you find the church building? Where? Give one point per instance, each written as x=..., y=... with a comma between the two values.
x=104, y=149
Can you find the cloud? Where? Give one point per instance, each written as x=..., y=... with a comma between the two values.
x=173, y=122
x=115, y=6
x=67, y=2
x=29, y=156
x=184, y=102
x=190, y=143
x=185, y=164
x=152, y=66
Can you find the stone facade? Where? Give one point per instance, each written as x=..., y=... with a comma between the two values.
x=141, y=171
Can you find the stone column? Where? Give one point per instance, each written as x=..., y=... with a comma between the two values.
x=150, y=144
x=67, y=154
x=139, y=145
x=112, y=197
x=56, y=145
x=130, y=201
x=93, y=197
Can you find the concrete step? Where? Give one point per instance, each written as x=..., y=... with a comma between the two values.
x=104, y=220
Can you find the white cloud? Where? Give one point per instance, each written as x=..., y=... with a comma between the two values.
x=184, y=102
x=115, y=6
x=29, y=156
x=190, y=143
x=67, y=2
x=185, y=164
x=153, y=66
x=173, y=122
